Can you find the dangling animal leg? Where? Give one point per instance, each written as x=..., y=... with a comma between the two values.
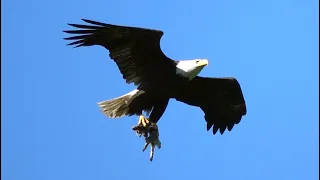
x=152, y=127
x=150, y=132
x=153, y=139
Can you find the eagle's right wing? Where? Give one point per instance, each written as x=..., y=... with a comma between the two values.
x=136, y=51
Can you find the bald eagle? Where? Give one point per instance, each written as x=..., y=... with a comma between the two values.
x=158, y=78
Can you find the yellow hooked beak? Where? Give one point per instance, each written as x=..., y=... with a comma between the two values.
x=203, y=62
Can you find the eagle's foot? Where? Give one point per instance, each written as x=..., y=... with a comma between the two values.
x=151, y=133
x=142, y=127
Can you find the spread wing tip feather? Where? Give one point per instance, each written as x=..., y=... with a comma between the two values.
x=215, y=129
x=86, y=31
x=94, y=22
x=81, y=34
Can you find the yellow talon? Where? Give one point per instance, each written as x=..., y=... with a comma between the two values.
x=144, y=121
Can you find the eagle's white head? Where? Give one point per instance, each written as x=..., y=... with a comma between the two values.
x=191, y=68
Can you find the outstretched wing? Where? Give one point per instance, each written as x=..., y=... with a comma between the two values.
x=221, y=100
x=136, y=51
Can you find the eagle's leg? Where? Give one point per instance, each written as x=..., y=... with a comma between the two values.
x=151, y=133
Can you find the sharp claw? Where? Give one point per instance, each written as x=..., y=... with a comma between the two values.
x=141, y=127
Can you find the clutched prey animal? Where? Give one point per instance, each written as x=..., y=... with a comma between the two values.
x=158, y=78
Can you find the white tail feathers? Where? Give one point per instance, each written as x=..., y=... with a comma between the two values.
x=117, y=107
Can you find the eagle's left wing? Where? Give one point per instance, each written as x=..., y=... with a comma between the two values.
x=221, y=100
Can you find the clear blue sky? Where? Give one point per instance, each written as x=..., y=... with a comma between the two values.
x=52, y=128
